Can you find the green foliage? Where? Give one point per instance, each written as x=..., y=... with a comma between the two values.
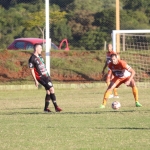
x=78, y=62
x=81, y=22
x=57, y=16
x=60, y=31
x=11, y=66
x=75, y=62
x=93, y=40
x=12, y=3
x=12, y=23
x=61, y=3
x=105, y=20
x=90, y=5
x=136, y=4
x=71, y=19
x=36, y=19
x=134, y=20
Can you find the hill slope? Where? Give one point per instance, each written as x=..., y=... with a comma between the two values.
x=68, y=66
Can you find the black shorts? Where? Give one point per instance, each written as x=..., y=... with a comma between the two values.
x=46, y=82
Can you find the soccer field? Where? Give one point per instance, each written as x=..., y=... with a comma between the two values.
x=82, y=125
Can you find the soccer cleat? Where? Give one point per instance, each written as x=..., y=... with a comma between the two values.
x=57, y=109
x=137, y=104
x=47, y=110
x=116, y=96
x=111, y=96
x=102, y=106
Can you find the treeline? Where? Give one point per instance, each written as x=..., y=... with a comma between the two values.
x=85, y=23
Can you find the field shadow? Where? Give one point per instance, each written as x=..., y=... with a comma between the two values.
x=84, y=76
x=20, y=111
x=125, y=128
x=103, y=112
x=110, y=128
x=17, y=111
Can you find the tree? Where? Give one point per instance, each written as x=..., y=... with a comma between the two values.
x=106, y=20
x=94, y=39
x=61, y=3
x=9, y=3
x=133, y=20
x=80, y=23
x=5, y=3
x=37, y=19
x=11, y=24
x=90, y=5
x=136, y=4
x=60, y=30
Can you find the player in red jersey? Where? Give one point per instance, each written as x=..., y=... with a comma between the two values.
x=40, y=75
x=109, y=76
x=123, y=73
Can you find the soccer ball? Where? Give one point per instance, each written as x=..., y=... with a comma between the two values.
x=116, y=105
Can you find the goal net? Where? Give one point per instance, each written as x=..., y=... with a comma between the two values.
x=134, y=47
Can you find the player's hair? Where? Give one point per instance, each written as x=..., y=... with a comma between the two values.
x=35, y=45
x=113, y=55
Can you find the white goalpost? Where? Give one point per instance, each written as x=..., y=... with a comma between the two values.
x=47, y=31
x=134, y=47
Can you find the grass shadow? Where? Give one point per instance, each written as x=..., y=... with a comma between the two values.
x=69, y=113
x=125, y=128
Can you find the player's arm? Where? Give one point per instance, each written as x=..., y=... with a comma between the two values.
x=132, y=73
x=109, y=76
x=33, y=75
x=103, y=71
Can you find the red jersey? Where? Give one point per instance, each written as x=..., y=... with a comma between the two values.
x=120, y=70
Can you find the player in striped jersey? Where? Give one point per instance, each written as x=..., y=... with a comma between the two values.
x=40, y=75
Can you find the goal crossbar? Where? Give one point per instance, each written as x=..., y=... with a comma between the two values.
x=133, y=46
x=115, y=32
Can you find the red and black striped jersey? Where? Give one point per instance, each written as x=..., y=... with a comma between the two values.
x=37, y=63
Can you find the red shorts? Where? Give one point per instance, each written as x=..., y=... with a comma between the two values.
x=119, y=81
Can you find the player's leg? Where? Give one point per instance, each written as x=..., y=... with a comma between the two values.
x=46, y=82
x=111, y=94
x=47, y=101
x=108, y=79
x=53, y=98
x=105, y=98
x=43, y=81
x=49, y=87
x=115, y=89
x=115, y=93
x=135, y=93
x=114, y=83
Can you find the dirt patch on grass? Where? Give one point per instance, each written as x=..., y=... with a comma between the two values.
x=14, y=67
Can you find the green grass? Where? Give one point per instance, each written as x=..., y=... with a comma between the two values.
x=71, y=64
x=79, y=62
x=81, y=125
